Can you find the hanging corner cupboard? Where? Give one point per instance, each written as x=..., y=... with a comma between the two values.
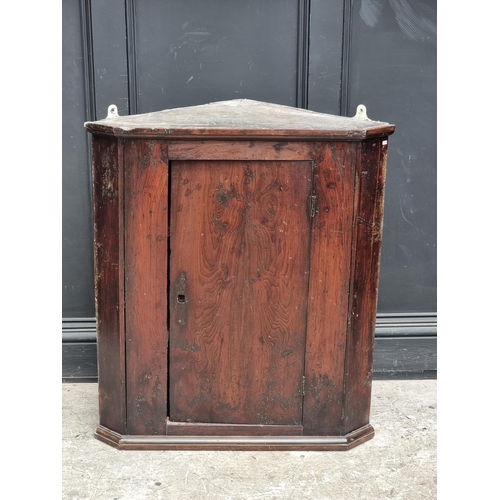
x=237, y=251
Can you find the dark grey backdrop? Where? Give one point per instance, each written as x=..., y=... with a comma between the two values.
x=322, y=55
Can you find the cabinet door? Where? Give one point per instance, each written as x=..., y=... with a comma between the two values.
x=239, y=273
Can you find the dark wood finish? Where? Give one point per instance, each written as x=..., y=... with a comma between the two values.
x=230, y=134
x=244, y=443
x=240, y=150
x=237, y=322
x=365, y=263
x=146, y=220
x=108, y=274
x=250, y=272
x=329, y=287
x=190, y=429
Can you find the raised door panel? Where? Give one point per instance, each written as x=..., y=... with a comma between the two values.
x=239, y=272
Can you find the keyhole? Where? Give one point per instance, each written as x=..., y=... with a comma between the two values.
x=181, y=299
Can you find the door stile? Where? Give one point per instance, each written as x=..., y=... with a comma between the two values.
x=145, y=265
x=330, y=251
x=167, y=286
x=311, y=208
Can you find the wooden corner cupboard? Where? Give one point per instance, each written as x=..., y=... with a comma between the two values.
x=237, y=251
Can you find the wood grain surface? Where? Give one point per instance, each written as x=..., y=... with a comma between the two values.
x=197, y=429
x=364, y=283
x=146, y=219
x=247, y=443
x=239, y=274
x=329, y=287
x=108, y=275
x=265, y=270
x=240, y=150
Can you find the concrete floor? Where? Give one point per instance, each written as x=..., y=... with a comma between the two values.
x=398, y=463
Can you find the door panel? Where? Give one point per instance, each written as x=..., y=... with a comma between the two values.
x=237, y=284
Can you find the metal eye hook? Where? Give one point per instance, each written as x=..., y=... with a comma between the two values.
x=361, y=113
x=112, y=111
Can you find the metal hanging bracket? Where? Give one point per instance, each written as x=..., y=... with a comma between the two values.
x=361, y=112
x=112, y=111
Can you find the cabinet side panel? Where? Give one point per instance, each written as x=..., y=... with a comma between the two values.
x=108, y=274
x=331, y=240
x=146, y=218
x=365, y=276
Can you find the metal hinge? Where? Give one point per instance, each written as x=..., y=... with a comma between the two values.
x=312, y=206
x=303, y=387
